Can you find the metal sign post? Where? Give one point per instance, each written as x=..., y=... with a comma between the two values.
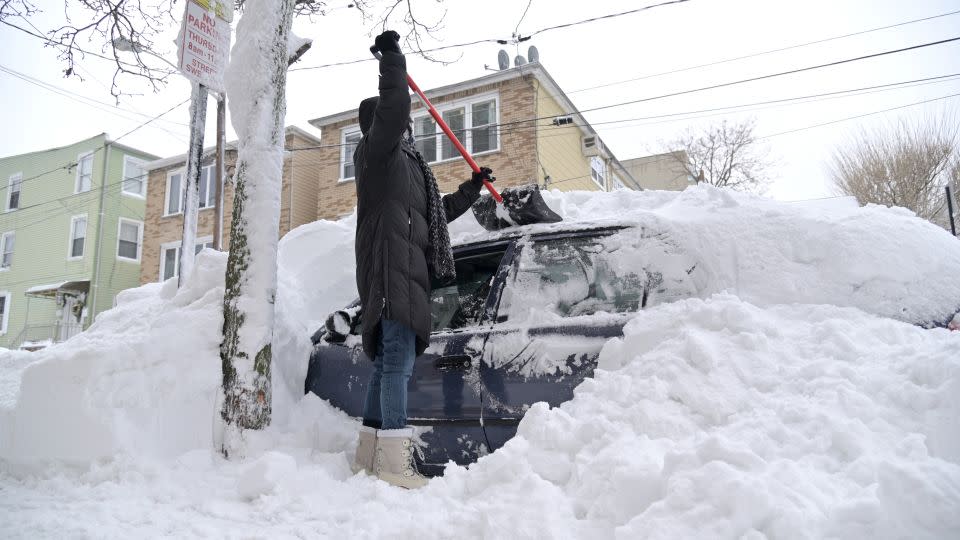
x=203, y=49
x=221, y=172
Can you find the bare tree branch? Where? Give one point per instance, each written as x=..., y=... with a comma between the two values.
x=904, y=164
x=728, y=155
x=106, y=22
x=134, y=25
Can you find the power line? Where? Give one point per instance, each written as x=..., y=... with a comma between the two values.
x=813, y=97
x=90, y=191
x=494, y=40
x=58, y=44
x=754, y=55
x=731, y=83
x=522, y=17
x=857, y=116
x=72, y=164
x=90, y=102
x=778, y=74
x=611, y=16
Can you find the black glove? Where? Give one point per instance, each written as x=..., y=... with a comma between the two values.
x=388, y=41
x=484, y=174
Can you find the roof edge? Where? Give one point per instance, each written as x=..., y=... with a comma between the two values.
x=208, y=151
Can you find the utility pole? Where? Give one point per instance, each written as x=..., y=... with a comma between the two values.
x=950, y=214
x=191, y=196
x=221, y=171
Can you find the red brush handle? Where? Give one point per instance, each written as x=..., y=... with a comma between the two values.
x=446, y=129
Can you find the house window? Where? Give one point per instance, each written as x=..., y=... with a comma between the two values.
x=13, y=197
x=6, y=250
x=598, y=172
x=425, y=132
x=84, y=172
x=617, y=183
x=349, y=141
x=134, y=177
x=456, y=120
x=176, y=183
x=474, y=123
x=78, y=235
x=170, y=257
x=4, y=311
x=128, y=240
x=484, y=133
x=174, y=193
x=208, y=187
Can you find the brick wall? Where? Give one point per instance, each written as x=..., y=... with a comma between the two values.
x=513, y=164
x=298, y=185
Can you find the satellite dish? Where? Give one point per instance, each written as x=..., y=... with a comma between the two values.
x=503, y=59
x=533, y=54
x=519, y=61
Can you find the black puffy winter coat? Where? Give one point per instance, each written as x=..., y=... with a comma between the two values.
x=392, y=235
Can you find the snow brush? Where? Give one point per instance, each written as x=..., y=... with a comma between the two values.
x=521, y=205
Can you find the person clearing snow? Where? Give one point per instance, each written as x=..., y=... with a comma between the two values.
x=395, y=261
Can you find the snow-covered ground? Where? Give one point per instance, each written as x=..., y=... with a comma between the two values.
x=791, y=399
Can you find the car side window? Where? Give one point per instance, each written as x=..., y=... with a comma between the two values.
x=572, y=276
x=460, y=304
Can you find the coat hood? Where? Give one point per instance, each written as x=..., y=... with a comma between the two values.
x=367, y=107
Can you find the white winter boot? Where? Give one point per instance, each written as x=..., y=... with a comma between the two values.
x=366, y=451
x=395, y=463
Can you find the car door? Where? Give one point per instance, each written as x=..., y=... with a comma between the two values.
x=443, y=395
x=565, y=296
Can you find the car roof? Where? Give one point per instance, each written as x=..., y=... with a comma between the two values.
x=471, y=240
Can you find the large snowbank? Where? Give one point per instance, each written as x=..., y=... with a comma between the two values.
x=767, y=412
x=789, y=422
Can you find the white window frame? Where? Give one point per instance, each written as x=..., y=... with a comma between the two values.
x=3, y=248
x=80, y=158
x=139, y=225
x=204, y=240
x=183, y=182
x=344, y=133
x=6, y=311
x=73, y=221
x=467, y=104
x=602, y=173
x=616, y=183
x=15, y=178
x=211, y=178
x=123, y=185
x=166, y=193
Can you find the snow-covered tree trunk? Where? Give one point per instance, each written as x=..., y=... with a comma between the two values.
x=256, y=82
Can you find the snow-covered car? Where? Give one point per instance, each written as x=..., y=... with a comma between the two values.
x=533, y=307
x=524, y=322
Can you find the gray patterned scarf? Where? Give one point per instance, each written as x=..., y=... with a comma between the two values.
x=439, y=252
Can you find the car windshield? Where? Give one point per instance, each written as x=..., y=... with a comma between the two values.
x=461, y=304
x=582, y=275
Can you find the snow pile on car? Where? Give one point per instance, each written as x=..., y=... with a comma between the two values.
x=881, y=260
x=757, y=411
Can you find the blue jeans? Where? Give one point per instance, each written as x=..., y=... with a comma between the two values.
x=386, y=404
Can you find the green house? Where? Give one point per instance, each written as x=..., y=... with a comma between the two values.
x=71, y=237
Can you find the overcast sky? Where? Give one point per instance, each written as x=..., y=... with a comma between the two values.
x=605, y=52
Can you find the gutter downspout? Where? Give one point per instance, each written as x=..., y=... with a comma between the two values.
x=96, y=260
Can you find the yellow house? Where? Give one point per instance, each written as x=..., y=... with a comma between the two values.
x=516, y=121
